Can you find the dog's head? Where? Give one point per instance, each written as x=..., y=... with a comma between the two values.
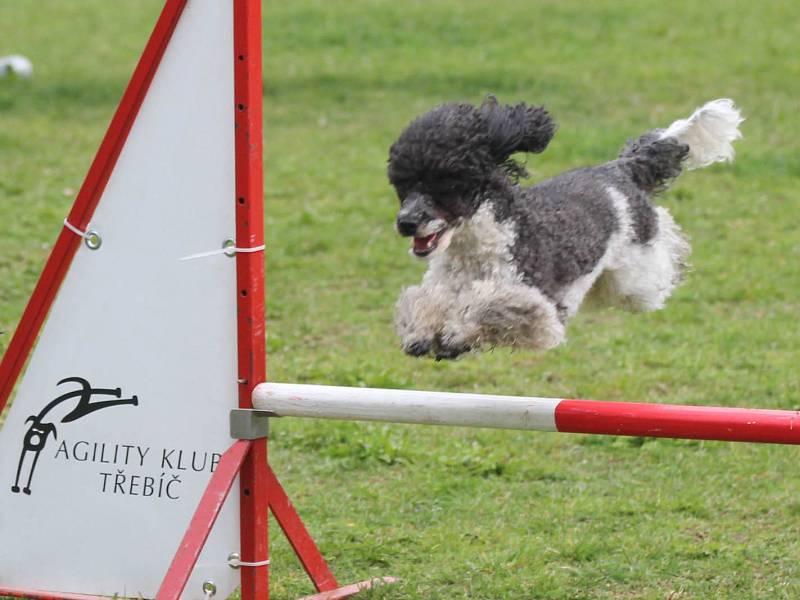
x=443, y=162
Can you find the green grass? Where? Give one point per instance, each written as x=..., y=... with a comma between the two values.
x=477, y=514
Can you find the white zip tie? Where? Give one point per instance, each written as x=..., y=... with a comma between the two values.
x=84, y=234
x=90, y=236
x=230, y=250
x=235, y=563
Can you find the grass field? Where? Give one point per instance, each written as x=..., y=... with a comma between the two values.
x=460, y=513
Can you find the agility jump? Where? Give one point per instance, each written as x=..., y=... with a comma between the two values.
x=201, y=65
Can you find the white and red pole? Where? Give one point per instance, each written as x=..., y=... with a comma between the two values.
x=541, y=414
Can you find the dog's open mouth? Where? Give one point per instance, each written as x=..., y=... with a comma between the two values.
x=423, y=246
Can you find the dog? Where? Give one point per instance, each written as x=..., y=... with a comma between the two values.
x=509, y=265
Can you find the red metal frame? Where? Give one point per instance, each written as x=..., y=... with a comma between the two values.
x=286, y=515
x=85, y=203
x=249, y=203
x=298, y=536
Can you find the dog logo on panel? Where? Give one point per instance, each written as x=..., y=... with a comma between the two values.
x=41, y=428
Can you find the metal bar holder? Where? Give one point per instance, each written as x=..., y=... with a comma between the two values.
x=249, y=423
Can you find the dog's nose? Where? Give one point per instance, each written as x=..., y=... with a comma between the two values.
x=406, y=227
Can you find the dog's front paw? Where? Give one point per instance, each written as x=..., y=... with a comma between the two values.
x=451, y=351
x=418, y=347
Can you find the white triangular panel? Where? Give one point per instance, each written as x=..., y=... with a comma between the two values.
x=112, y=495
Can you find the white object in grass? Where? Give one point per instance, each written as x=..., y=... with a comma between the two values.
x=15, y=64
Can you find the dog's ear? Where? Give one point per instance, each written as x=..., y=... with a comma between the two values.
x=519, y=128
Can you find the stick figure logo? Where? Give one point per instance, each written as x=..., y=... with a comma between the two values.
x=39, y=430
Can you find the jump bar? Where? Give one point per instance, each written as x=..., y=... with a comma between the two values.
x=540, y=414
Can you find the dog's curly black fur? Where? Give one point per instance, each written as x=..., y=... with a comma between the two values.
x=471, y=156
x=510, y=264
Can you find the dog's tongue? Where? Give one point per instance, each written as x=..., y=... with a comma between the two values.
x=424, y=243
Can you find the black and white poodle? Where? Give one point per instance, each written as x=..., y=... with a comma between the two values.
x=508, y=265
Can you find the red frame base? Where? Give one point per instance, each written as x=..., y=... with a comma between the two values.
x=285, y=514
x=350, y=590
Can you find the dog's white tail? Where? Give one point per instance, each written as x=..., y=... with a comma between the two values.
x=708, y=133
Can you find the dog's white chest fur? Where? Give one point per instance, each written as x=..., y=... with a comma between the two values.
x=472, y=294
x=478, y=249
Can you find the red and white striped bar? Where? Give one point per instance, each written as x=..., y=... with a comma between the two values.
x=541, y=414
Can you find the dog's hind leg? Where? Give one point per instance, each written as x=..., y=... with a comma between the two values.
x=492, y=313
x=645, y=275
x=420, y=316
